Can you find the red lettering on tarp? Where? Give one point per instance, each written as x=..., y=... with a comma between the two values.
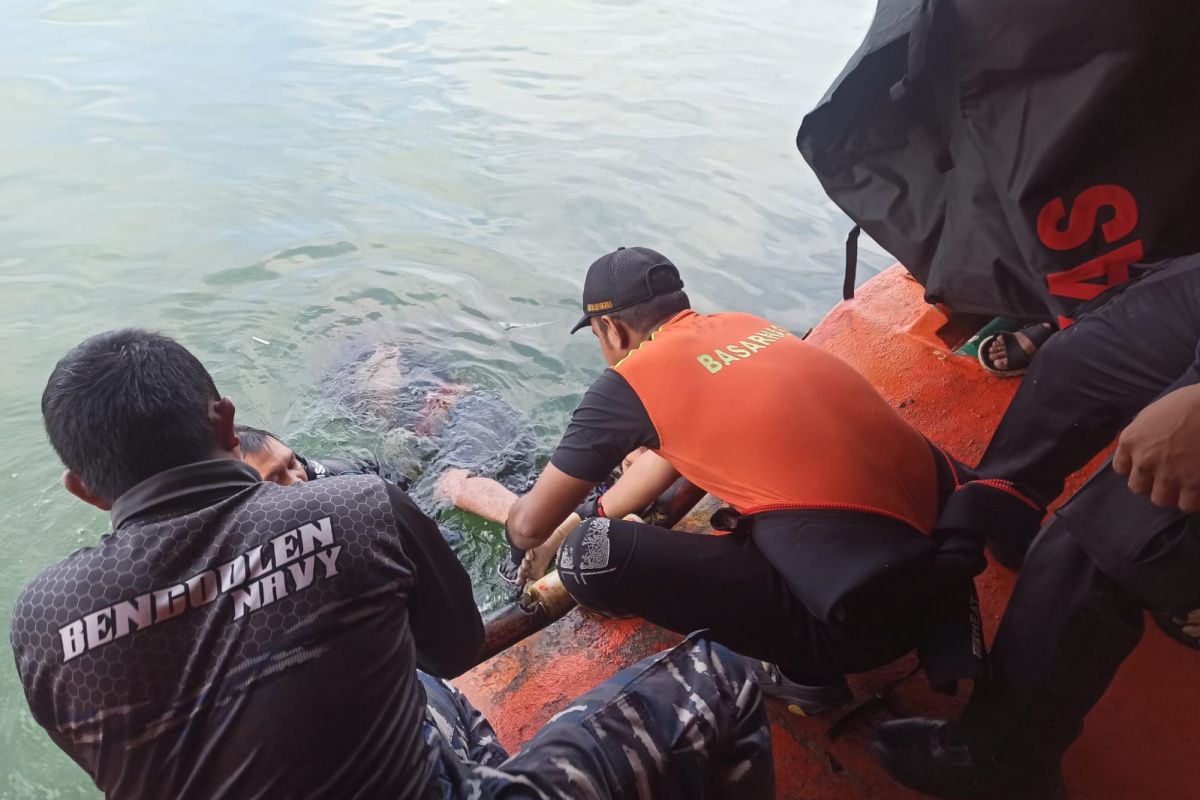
x=1091, y=278
x=1081, y=223
x=1079, y=282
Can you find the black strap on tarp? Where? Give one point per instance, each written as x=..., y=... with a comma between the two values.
x=851, y=262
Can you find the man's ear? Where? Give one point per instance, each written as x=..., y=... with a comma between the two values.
x=616, y=335
x=220, y=414
x=75, y=485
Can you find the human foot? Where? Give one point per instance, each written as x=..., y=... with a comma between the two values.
x=537, y=560
x=1010, y=352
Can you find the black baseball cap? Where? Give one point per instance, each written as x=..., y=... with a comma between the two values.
x=626, y=277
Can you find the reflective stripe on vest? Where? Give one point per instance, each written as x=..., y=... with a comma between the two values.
x=767, y=422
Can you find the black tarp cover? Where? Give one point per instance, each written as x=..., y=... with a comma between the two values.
x=1018, y=155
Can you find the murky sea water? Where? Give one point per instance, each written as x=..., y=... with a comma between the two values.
x=279, y=184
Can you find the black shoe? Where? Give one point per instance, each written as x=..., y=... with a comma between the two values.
x=803, y=699
x=922, y=755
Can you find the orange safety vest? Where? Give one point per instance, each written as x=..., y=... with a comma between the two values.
x=766, y=422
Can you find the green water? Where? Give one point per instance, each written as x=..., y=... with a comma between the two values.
x=316, y=173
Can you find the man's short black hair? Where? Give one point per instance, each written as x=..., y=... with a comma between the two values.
x=254, y=440
x=125, y=405
x=645, y=317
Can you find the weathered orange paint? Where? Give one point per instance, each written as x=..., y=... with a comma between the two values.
x=1141, y=741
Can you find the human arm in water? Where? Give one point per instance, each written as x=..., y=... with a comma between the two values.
x=487, y=498
x=482, y=497
x=645, y=477
x=528, y=524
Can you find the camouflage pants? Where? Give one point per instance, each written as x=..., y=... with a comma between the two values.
x=686, y=723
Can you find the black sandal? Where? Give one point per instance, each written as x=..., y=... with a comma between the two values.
x=1018, y=359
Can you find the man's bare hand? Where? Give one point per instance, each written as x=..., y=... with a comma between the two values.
x=536, y=563
x=1160, y=451
x=449, y=486
x=537, y=560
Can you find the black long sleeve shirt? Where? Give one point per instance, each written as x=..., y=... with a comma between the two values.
x=234, y=638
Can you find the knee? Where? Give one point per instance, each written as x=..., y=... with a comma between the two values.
x=587, y=564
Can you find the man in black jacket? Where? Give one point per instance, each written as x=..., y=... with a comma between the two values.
x=236, y=638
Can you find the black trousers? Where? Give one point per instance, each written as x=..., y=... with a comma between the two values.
x=1085, y=384
x=1077, y=610
x=816, y=592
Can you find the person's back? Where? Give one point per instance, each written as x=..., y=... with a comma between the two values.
x=221, y=651
x=787, y=425
x=235, y=638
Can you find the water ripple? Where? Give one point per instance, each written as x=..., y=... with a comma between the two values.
x=327, y=175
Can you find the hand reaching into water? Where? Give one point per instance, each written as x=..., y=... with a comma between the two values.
x=481, y=496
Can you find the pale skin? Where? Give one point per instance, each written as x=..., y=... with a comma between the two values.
x=486, y=498
x=1159, y=452
x=277, y=463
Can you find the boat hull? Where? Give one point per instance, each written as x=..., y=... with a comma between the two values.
x=1141, y=741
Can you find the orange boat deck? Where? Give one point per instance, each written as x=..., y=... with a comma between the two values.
x=1141, y=741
